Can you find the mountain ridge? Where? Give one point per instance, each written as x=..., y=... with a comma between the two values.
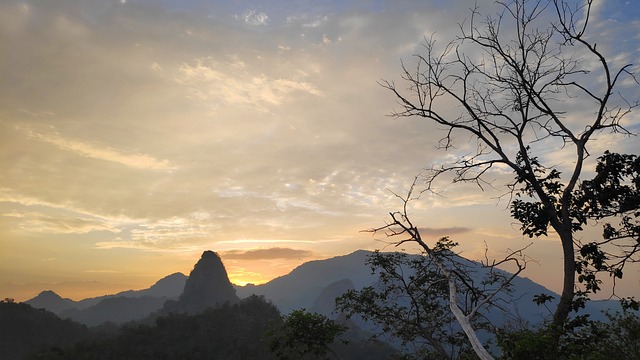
x=165, y=287
x=301, y=288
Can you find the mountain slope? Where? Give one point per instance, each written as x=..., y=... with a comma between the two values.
x=88, y=311
x=303, y=285
x=169, y=287
x=117, y=310
x=51, y=301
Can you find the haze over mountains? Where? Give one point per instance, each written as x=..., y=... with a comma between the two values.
x=117, y=308
x=313, y=285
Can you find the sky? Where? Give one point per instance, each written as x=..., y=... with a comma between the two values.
x=135, y=134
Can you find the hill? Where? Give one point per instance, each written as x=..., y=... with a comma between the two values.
x=116, y=308
x=25, y=329
x=51, y=301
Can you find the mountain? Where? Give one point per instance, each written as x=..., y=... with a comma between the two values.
x=326, y=301
x=127, y=305
x=313, y=285
x=117, y=308
x=169, y=287
x=52, y=302
x=208, y=286
x=301, y=287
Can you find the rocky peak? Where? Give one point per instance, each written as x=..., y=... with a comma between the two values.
x=207, y=286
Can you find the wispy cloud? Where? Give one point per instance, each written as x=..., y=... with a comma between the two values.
x=450, y=231
x=254, y=17
x=232, y=83
x=55, y=224
x=95, y=151
x=265, y=241
x=267, y=254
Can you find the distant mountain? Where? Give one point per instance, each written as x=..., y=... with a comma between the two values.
x=301, y=287
x=313, y=285
x=52, y=302
x=326, y=301
x=208, y=286
x=169, y=287
x=25, y=329
x=117, y=310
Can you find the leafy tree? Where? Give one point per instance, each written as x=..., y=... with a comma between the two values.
x=509, y=83
x=305, y=334
x=409, y=302
x=584, y=339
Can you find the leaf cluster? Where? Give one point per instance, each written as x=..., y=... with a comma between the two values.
x=614, y=192
x=302, y=334
x=581, y=338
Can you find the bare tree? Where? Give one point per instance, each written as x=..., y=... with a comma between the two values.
x=509, y=82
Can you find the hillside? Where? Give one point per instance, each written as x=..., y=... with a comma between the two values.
x=24, y=329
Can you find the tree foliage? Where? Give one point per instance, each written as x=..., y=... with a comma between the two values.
x=584, y=339
x=614, y=193
x=304, y=334
x=24, y=329
x=409, y=303
x=228, y=332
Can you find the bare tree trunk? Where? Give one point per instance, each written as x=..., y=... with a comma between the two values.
x=464, y=320
x=569, y=268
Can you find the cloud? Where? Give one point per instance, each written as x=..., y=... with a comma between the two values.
x=440, y=232
x=139, y=161
x=254, y=18
x=267, y=254
x=232, y=83
x=180, y=127
x=54, y=224
x=177, y=246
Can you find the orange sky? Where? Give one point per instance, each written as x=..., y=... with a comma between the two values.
x=136, y=134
